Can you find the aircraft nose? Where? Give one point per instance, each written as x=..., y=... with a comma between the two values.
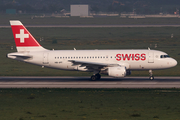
x=173, y=62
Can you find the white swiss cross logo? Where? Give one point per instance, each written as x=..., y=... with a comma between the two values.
x=22, y=35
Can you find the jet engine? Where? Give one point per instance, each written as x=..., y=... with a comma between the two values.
x=117, y=71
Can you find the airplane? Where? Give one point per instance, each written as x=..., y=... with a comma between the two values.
x=115, y=63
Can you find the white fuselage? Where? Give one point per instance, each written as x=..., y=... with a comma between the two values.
x=131, y=59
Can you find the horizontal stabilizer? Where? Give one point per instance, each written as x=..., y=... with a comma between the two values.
x=19, y=56
x=22, y=57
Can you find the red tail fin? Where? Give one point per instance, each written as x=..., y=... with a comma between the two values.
x=23, y=38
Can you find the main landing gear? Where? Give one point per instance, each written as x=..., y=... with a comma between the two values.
x=151, y=75
x=96, y=77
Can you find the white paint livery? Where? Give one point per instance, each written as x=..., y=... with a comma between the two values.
x=27, y=49
x=115, y=63
x=15, y=22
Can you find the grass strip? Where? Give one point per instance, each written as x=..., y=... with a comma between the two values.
x=82, y=104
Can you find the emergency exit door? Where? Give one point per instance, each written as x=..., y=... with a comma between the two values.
x=45, y=58
x=151, y=57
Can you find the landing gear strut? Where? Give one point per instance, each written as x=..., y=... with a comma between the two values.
x=96, y=77
x=151, y=75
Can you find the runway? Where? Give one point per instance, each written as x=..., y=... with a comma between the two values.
x=90, y=26
x=84, y=82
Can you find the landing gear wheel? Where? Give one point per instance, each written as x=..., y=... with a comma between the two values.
x=98, y=76
x=151, y=77
x=93, y=78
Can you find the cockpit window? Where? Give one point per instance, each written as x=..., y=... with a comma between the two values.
x=165, y=56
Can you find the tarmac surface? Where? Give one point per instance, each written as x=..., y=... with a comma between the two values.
x=93, y=26
x=84, y=82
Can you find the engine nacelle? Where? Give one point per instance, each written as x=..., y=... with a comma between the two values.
x=117, y=71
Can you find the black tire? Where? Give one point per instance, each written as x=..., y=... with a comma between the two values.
x=93, y=77
x=98, y=76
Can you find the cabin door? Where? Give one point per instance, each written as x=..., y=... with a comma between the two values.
x=45, y=58
x=151, y=57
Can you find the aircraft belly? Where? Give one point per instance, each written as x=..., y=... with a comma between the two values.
x=138, y=65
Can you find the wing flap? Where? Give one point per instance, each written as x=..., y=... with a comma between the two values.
x=92, y=65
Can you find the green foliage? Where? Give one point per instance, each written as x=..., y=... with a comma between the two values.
x=96, y=104
x=54, y=41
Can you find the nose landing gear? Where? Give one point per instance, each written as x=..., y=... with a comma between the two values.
x=151, y=75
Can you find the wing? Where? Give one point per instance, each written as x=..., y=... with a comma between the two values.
x=92, y=66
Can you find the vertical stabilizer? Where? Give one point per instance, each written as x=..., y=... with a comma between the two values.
x=23, y=38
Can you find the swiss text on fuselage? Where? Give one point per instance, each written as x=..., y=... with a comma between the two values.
x=135, y=57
